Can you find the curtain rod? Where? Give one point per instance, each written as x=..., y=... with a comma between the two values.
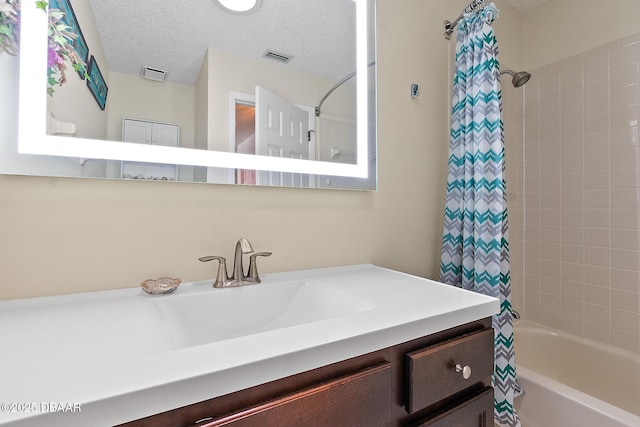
x=449, y=26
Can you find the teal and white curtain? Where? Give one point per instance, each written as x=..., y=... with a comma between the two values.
x=475, y=247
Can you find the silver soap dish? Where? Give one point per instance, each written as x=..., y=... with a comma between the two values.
x=161, y=286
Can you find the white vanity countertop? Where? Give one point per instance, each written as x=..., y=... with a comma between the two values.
x=115, y=356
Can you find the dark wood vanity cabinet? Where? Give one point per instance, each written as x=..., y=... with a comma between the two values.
x=411, y=384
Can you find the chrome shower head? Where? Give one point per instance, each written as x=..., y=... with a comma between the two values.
x=519, y=78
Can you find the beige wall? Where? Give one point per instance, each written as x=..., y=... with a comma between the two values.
x=134, y=97
x=508, y=29
x=564, y=28
x=71, y=235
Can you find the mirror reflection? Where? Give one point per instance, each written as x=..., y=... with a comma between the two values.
x=197, y=76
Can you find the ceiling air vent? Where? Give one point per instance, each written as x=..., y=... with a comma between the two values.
x=280, y=57
x=153, y=74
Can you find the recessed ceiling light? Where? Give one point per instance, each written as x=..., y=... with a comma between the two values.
x=240, y=6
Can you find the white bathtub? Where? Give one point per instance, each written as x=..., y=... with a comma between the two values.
x=569, y=381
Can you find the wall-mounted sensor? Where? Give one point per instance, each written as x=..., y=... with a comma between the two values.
x=415, y=90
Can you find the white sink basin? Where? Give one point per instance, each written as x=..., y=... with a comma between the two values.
x=222, y=314
x=195, y=314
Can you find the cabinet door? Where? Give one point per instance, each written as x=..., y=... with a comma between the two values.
x=474, y=412
x=361, y=399
x=164, y=134
x=137, y=131
x=142, y=132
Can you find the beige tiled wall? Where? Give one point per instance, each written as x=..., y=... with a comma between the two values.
x=582, y=197
x=513, y=118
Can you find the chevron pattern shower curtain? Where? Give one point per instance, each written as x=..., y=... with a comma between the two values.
x=475, y=247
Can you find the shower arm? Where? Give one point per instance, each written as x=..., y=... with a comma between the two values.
x=336, y=86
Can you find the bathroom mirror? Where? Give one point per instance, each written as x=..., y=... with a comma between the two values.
x=341, y=140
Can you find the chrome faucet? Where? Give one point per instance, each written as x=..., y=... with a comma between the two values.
x=242, y=247
x=238, y=278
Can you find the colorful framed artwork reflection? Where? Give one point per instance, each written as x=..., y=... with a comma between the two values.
x=96, y=83
x=69, y=18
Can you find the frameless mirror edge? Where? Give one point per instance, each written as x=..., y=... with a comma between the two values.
x=33, y=138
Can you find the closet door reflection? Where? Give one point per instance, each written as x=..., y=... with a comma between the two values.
x=144, y=132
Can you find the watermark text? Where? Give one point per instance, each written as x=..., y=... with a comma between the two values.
x=40, y=407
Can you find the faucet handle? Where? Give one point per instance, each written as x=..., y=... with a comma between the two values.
x=253, y=266
x=222, y=278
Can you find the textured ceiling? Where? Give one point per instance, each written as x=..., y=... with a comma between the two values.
x=173, y=36
x=525, y=6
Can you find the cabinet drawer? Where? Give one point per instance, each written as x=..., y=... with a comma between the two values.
x=431, y=372
x=359, y=399
x=476, y=411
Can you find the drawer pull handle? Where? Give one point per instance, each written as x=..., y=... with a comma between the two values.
x=466, y=371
